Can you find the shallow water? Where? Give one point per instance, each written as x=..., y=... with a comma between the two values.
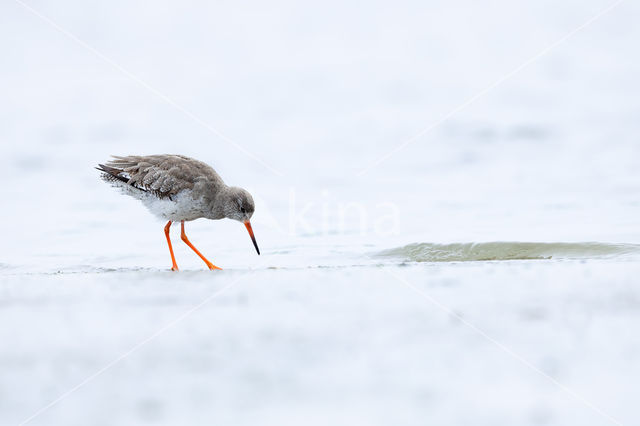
x=335, y=344
x=484, y=274
x=503, y=250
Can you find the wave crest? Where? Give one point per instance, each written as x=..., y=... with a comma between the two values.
x=466, y=252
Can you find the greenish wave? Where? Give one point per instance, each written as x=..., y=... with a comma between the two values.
x=464, y=252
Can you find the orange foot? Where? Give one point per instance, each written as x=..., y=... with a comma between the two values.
x=187, y=242
x=212, y=266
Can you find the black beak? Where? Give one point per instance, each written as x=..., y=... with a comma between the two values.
x=248, y=225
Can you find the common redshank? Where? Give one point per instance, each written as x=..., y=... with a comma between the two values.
x=179, y=188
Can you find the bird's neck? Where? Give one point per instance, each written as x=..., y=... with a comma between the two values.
x=219, y=203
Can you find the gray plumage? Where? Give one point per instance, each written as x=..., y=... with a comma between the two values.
x=177, y=188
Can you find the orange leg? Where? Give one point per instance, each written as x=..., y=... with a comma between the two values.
x=173, y=259
x=186, y=240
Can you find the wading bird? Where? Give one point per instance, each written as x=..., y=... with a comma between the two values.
x=178, y=188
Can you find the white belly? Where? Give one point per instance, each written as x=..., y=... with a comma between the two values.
x=180, y=207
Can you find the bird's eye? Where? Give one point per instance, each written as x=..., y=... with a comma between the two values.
x=242, y=209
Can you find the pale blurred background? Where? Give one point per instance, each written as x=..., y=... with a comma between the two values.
x=319, y=92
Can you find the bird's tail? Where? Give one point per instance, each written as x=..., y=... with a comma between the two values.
x=111, y=174
x=120, y=179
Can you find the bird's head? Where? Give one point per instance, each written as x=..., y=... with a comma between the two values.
x=238, y=205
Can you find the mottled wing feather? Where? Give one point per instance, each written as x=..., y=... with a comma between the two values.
x=164, y=175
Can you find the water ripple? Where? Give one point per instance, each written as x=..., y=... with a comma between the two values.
x=462, y=252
